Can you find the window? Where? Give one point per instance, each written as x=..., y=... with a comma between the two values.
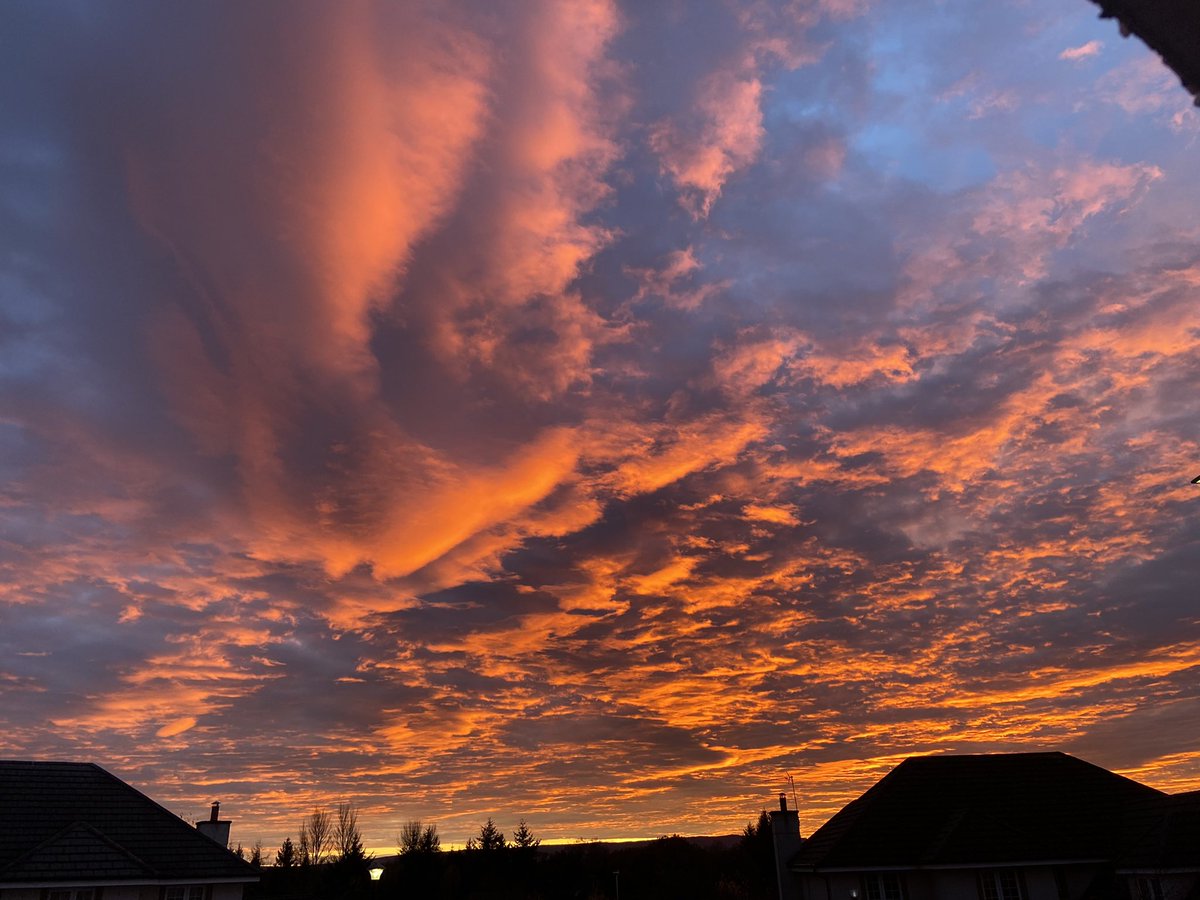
x=1001, y=884
x=184, y=892
x=72, y=894
x=1060, y=883
x=1148, y=889
x=883, y=886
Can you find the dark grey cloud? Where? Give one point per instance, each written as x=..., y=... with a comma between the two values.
x=486, y=413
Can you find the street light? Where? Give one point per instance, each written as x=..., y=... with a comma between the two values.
x=375, y=873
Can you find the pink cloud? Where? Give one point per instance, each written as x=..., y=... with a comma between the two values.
x=675, y=281
x=1082, y=52
x=380, y=161
x=722, y=134
x=457, y=434
x=506, y=263
x=300, y=217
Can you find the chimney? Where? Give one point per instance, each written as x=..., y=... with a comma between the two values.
x=785, y=834
x=214, y=827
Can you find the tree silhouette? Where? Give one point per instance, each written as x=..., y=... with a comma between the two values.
x=490, y=838
x=256, y=852
x=430, y=842
x=316, y=838
x=285, y=857
x=758, y=832
x=409, y=839
x=346, y=836
x=757, y=851
x=523, y=838
x=415, y=838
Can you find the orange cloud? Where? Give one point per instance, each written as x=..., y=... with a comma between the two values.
x=179, y=726
x=509, y=432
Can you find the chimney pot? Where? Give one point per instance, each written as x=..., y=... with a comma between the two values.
x=216, y=809
x=782, y=802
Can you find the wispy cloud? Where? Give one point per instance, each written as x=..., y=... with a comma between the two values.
x=1083, y=51
x=589, y=411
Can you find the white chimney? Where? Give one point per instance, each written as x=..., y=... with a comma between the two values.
x=785, y=833
x=214, y=827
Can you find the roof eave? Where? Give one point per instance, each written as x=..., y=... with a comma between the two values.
x=941, y=867
x=125, y=882
x=1159, y=870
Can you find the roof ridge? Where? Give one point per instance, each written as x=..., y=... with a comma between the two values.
x=940, y=839
x=123, y=827
x=175, y=817
x=950, y=805
x=63, y=832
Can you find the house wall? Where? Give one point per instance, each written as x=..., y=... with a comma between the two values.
x=1177, y=887
x=133, y=892
x=810, y=888
x=1174, y=886
x=127, y=892
x=956, y=883
x=1039, y=881
x=1077, y=878
x=922, y=886
x=952, y=884
x=110, y=893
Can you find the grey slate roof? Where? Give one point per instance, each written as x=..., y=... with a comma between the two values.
x=988, y=809
x=1171, y=839
x=66, y=821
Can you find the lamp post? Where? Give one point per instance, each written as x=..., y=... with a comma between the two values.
x=617, y=882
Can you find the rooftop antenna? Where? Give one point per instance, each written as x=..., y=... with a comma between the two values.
x=792, y=784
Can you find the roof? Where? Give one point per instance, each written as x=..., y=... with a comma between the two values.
x=976, y=810
x=1171, y=839
x=1170, y=27
x=67, y=821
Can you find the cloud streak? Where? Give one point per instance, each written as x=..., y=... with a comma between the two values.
x=588, y=412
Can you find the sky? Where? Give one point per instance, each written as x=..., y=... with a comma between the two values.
x=592, y=412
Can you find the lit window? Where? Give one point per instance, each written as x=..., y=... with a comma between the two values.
x=883, y=886
x=1002, y=884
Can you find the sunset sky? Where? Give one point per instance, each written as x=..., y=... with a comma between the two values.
x=592, y=411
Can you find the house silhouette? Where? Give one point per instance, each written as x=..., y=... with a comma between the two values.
x=72, y=831
x=1016, y=826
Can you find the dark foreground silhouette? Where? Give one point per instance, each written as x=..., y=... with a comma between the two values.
x=670, y=867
